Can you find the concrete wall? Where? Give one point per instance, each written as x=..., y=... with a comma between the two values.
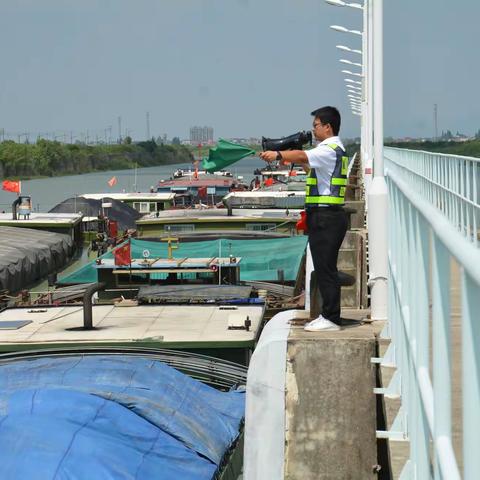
x=330, y=405
x=351, y=260
x=311, y=411
x=358, y=218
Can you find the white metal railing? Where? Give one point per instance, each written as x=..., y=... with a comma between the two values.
x=433, y=219
x=451, y=183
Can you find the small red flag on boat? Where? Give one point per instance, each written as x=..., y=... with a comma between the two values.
x=269, y=181
x=302, y=222
x=11, y=186
x=122, y=255
x=112, y=181
x=202, y=192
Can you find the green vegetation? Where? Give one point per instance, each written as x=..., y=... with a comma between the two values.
x=469, y=148
x=47, y=158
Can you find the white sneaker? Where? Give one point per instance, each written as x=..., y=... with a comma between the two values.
x=311, y=322
x=321, y=324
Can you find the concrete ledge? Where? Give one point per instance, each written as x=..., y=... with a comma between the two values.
x=330, y=405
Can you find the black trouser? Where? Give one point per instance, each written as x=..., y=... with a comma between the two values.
x=326, y=230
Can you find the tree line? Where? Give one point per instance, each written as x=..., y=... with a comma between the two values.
x=52, y=158
x=468, y=148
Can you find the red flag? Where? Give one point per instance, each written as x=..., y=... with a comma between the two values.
x=11, y=186
x=112, y=181
x=202, y=192
x=122, y=255
x=302, y=223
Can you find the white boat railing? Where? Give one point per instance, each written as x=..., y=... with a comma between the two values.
x=433, y=222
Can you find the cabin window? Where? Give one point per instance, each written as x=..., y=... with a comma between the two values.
x=180, y=227
x=142, y=207
x=152, y=206
x=261, y=226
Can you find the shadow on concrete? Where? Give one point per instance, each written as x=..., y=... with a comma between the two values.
x=350, y=323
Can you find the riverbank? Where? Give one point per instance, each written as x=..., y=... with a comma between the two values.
x=45, y=158
x=49, y=191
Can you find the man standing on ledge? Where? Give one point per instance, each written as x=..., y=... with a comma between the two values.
x=324, y=201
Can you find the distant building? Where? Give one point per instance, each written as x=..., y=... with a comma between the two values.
x=201, y=135
x=245, y=141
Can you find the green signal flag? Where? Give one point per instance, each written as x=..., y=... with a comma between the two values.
x=223, y=154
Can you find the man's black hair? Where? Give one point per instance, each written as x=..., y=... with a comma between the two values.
x=328, y=115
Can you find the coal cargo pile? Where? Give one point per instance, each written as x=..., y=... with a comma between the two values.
x=119, y=211
x=28, y=255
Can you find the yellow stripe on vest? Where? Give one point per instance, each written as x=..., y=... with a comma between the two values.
x=325, y=199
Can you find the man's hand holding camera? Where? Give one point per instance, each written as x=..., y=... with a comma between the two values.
x=271, y=156
x=286, y=157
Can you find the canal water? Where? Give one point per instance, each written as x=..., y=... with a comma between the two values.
x=48, y=192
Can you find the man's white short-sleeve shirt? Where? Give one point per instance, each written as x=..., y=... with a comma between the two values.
x=323, y=159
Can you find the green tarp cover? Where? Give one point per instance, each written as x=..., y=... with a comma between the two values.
x=224, y=154
x=261, y=259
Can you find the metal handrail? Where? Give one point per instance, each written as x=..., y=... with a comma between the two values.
x=432, y=220
x=451, y=183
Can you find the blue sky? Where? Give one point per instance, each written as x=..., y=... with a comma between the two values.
x=245, y=67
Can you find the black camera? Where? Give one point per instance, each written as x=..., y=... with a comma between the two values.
x=292, y=142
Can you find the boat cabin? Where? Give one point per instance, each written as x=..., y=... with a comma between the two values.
x=218, y=219
x=143, y=202
x=184, y=273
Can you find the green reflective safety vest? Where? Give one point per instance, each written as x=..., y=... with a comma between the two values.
x=338, y=182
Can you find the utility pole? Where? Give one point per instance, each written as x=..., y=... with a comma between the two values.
x=119, y=129
x=148, y=126
x=435, y=118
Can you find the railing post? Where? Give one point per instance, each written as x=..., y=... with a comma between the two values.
x=442, y=367
x=471, y=376
x=377, y=197
x=421, y=325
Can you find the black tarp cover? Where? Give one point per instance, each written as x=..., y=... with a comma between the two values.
x=89, y=207
x=28, y=255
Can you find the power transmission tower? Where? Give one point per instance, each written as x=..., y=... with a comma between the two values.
x=148, y=126
x=119, y=129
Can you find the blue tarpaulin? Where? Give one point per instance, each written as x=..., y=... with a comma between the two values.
x=111, y=417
